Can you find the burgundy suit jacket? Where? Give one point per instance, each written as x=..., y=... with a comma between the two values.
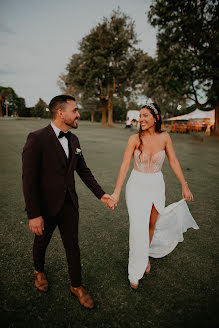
x=47, y=176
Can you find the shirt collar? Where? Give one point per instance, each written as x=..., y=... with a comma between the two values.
x=56, y=130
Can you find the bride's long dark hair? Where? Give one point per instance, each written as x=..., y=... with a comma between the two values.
x=158, y=121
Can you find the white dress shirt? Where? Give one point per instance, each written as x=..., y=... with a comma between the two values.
x=63, y=141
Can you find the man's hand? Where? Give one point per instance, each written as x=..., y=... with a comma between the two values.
x=109, y=201
x=37, y=225
x=113, y=200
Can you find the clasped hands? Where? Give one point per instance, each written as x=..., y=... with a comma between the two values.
x=36, y=225
x=110, y=200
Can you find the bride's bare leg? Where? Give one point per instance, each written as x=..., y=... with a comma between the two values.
x=153, y=220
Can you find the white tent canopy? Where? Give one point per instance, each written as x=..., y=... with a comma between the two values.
x=196, y=114
x=132, y=115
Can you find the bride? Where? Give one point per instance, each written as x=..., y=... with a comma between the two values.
x=154, y=230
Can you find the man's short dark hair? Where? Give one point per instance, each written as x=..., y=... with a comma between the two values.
x=58, y=102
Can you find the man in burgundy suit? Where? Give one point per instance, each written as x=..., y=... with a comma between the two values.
x=50, y=157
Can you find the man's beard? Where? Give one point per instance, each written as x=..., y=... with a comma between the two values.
x=72, y=125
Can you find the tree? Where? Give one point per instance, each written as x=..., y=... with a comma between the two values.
x=66, y=88
x=90, y=106
x=10, y=103
x=187, y=50
x=105, y=65
x=120, y=109
x=22, y=110
x=39, y=110
x=152, y=87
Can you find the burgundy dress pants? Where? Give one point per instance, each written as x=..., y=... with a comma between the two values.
x=67, y=222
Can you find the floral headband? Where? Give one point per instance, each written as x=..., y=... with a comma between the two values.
x=152, y=107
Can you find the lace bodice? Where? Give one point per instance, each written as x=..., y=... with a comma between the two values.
x=143, y=162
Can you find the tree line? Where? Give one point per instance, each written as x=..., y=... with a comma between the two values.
x=185, y=71
x=13, y=105
x=109, y=73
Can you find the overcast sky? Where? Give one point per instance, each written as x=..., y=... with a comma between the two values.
x=38, y=38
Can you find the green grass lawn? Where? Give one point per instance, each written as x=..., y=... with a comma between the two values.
x=179, y=292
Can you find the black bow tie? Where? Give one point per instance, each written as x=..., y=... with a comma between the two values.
x=63, y=134
x=67, y=135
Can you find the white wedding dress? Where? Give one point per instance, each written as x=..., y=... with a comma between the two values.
x=144, y=188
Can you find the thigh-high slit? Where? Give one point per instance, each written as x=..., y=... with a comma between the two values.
x=143, y=190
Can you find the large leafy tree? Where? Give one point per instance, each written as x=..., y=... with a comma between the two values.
x=152, y=87
x=106, y=63
x=187, y=50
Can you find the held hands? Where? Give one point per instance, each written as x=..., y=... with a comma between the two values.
x=110, y=201
x=113, y=201
x=37, y=225
x=186, y=193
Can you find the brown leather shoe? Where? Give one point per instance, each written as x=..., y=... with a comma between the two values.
x=84, y=298
x=40, y=281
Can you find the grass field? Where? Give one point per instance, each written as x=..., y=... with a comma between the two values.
x=179, y=292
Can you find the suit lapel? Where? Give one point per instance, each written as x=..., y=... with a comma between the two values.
x=58, y=147
x=73, y=146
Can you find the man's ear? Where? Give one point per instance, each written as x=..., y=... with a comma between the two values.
x=59, y=113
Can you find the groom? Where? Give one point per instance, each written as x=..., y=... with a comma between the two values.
x=50, y=157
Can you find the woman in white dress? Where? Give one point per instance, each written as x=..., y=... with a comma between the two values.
x=154, y=230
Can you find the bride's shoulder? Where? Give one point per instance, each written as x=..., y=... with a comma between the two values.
x=166, y=137
x=134, y=139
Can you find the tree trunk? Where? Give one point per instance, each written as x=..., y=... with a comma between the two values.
x=103, y=110
x=110, y=112
x=6, y=105
x=92, y=117
x=216, y=126
x=1, y=106
x=110, y=103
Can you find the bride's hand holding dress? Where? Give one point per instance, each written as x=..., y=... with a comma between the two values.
x=186, y=193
